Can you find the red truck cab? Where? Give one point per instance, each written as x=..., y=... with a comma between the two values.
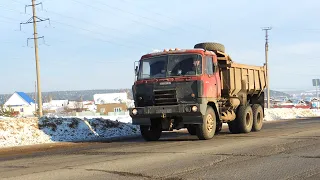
x=173, y=87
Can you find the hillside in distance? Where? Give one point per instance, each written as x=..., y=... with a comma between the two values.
x=278, y=94
x=87, y=95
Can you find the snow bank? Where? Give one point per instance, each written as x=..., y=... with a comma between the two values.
x=28, y=131
x=2, y=118
x=289, y=113
x=120, y=118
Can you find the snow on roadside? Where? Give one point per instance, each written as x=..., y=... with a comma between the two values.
x=4, y=118
x=29, y=131
x=289, y=113
x=120, y=118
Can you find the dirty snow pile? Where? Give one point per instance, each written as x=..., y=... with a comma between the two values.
x=289, y=113
x=29, y=131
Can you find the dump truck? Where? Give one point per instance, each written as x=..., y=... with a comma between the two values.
x=198, y=89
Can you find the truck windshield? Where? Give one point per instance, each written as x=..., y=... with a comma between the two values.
x=170, y=65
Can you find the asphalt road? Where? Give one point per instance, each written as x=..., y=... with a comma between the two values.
x=282, y=150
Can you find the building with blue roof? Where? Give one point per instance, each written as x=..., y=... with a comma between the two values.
x=22, y=103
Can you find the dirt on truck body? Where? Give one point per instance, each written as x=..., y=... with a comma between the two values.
x=198, y=89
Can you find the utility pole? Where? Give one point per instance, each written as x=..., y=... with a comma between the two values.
x=35, y=96
x=33, y=20
x=266, y=29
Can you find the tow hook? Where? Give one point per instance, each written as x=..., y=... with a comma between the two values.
x=163, y=116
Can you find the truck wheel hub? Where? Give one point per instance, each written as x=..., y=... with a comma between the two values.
x=210, y=122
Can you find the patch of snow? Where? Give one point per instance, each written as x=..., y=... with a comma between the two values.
x=4, y=118
x=29, y=131
x=289, y=113
x=120, y=118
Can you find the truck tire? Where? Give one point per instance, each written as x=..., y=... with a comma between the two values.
x=244, y=119
x=243, y=122
x=192, y=129
x=151, y=133
x=207, y=129
x=257, y=117
x=211, y=46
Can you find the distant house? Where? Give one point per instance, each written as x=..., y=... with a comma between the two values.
x=110, y=98
x=89, y=105
x=76, y=106
x=112, y=109
x=59, y=103
x=54, y=106
x=22, y=103
x=111, y=103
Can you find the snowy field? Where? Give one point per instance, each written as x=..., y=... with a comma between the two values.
x=29, y=131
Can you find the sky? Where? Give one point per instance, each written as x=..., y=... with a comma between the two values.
x=94, y=44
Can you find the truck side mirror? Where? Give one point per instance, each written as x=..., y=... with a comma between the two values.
x=136, y=70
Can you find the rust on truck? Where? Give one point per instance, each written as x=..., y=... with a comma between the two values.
x=197, y=89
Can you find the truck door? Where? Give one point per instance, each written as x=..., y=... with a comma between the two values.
x=210, y=79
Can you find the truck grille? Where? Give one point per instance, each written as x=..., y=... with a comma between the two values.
x=165, y=97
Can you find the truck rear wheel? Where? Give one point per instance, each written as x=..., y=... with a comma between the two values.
x=192, y=129
x=153, y=132
x=207, y=129
x=243, y=122
x=257, y=117
x=245, y=119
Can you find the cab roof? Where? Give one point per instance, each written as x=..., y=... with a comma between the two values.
x=179, y=51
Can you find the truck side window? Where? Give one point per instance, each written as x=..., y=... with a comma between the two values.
x=209, y=65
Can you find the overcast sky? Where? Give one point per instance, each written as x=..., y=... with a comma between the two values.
x=93, y=44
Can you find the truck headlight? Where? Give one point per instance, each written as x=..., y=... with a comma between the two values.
x=134, y=111
x=194, y=108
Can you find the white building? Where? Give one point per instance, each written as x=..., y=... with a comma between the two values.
x=56, y=105
x=110, y=98
x=59, y=103
x=89, y=105
x=22, y=103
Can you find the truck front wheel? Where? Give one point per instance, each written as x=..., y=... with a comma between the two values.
x=151, y=133
x=207, y=129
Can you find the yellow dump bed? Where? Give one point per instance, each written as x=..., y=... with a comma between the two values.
x=236, y=77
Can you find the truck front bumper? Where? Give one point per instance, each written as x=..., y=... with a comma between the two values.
x=142, y=115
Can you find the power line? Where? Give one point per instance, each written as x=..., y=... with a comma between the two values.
x=83, y=29
x=87, y=30
x=9, y=18
x=8, y=22
x=128, y=12
x=18, y=2
x=10, y=9
x=88, y=5
x=168, y=17
x=96, y=25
